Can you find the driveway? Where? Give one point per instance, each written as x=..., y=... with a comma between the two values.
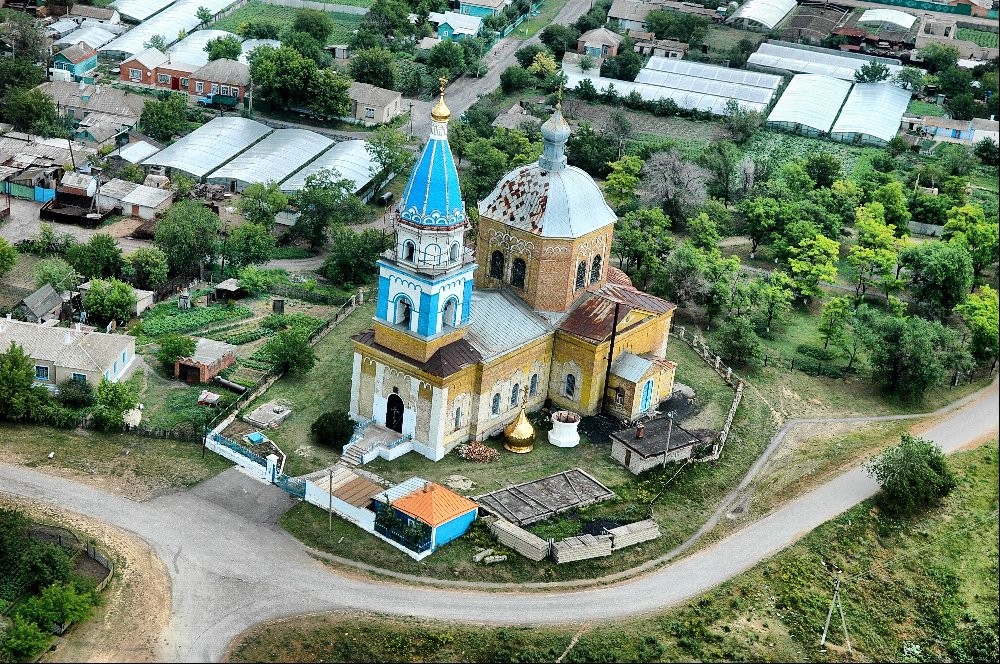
x=231, y=569
x=24, y=224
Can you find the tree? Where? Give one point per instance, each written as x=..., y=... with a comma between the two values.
x=352, y=255
x=132, y=173
x=376, y=66
x=75, y=393
x=980, y=314
x=157, y=42
x=387, y=148
x=22, y=641
x=281, y=76
x=823, y=167
x=667, y=24
x=113, y=401
x=165, y=117
x=893, y=200
x=833, y=321
x=940, y=276
x=871, y=72
x=250, y=244
x=938, y=57
x=188, y=234
x=205, y=16
x=17, y=375
x=59, y=604
x=18, y=73
x=674, y=183
x=741, y=123
x=720, y=159
x=148, y=268
x=682, y=278
x=625, y=66
x=617, y=129
x=703, y=232
x=259, y=202
x=543, y=64
x=317, y=23
x=814, y=260
x=962, y=107
x=53, y=271
x=326, y=199
x=447, y=55
x=109, y=300
x=526, y=54
x=560, y=38
x=23, y=36
x=329, y=94
x=738, y=342
x=32, y=111
x=903, y=352
x=587, y=62
x=912, y=476
x=181, y=184
x=641, y=242
x=968, y=227
x=8, y=257
x=172, y=348
x=760, y=214
x=774, y=298
x=590, y=151
x=333, y=428
x=290, y=351
x=988, y=152
x=910, y=78
x=99, y=257
x=623, y=180
x=515, y=78
x=224, y=48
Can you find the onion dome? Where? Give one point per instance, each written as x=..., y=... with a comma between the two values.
x=432, y=196
x=519, y=434
x=555, y=133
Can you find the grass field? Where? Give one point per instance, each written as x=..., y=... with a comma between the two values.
x=546, y=14
x=134, y=466
x=345, y=24
x=922, y=589
x=979, y=37
x=720, y=39
x=782, y=147
x=918, y=107
x=19, y=282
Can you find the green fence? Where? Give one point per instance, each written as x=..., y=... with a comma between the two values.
x=964, y=10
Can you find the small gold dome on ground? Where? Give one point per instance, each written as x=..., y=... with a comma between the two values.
x=520, y=434
x=440, y=112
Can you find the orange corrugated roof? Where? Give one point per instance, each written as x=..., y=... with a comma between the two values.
x=434, y=504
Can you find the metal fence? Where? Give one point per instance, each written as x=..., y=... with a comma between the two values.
x=400, y=536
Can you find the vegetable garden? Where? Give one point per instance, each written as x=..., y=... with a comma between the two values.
x=345, y=24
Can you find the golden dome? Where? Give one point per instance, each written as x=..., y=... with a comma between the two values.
x=520, y=434
x=440, y=112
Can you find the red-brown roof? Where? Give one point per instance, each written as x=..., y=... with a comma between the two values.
x=434, y=504
x=447, y=360
x=619, y=278
x=593, y=318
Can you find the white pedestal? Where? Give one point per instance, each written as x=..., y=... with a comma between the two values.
x=564, y=425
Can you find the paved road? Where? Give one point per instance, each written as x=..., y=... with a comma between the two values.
x=231, y=568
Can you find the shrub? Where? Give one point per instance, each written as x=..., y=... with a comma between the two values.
x=290, y=351
x=75, y=393
x=22, y=641
x=912, y=476
x=173, y=347
x=57, y=605
x=333, y=428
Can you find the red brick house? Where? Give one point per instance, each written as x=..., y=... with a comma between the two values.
x=174, y=76
x=209, y=359
x=220, y=77
x=141, y=67
x=154, y=69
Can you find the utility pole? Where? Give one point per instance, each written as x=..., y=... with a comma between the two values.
x=829, y=614
x=330, y=508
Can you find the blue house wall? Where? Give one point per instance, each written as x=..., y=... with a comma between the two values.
x=449, y=530
x=475, y=10
x=78, y=70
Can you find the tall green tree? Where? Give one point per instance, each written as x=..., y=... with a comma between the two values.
x=814, y=261
x=204, y=16
x=376, y=66
x=326, y=201
x=980, y=314
x=329, y=94
x=623, y=180
x=17, y=375
x=259, y=202
x=290, y=351
x=940, y=276
x=833, y=322
x=774, y=298
x=8, y=257
x=904, y=353
x=318, y=24
x=738, y=342
x=188, y=234
x=641, y=242
x=228, y=47
x=967, y=226
x=32, y=111
x=148, y=268
x=54, y=271
x=108, y=300
x=165, y=117
x=760, y=214
x=249, y=244
x=387, y=148
x=99, y=257
x=352, y=256
x=871, y=72
x=281, y=76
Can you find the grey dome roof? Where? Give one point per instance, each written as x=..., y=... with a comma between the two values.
x=564, y=203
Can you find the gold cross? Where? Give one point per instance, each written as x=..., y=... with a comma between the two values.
x=443, y=81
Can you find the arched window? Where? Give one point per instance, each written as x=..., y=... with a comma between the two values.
x=619, y=396
x=570, y=385
x=514, y=393
x=518, y=270
x=496, y=265
x=581, y=274
x=432, y=254
x=449, y=316
x=458, y=418
x=496, y=404
x=595, y=270
x=455, y=253
x=408, y=250
x=403, y=312
x=533, y=385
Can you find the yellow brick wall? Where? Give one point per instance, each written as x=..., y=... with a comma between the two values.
x=499, y=376
x=402, y=342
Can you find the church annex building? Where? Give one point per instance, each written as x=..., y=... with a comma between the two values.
x=463, y=338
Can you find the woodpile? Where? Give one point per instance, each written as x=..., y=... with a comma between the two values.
x=527, y=544
x=581, y=548
x=633, y=533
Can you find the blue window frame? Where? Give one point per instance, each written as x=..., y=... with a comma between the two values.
x=647, y=396
x=41, y=372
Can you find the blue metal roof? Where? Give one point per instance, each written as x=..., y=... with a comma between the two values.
x=432, y=196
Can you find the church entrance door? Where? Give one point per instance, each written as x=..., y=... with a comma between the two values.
x=394, y=413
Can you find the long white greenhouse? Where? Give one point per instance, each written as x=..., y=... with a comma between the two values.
x=798, y=59
x=281, y=153
x=191, y=49
x=350, y=159
x=140, y=10
x=809, y=105
x=901, y=20
x=761, y=15
x=180, y=17
x=871, y=114
x=209, y=146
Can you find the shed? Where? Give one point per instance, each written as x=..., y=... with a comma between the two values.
x=209, y=359
x=229, y=289
x=653, y=443
x=599, y=43
x=134, y=199
x=144, y=299
x=43, y=304
x=448, y=514
x=77, y=184
x=371, y=104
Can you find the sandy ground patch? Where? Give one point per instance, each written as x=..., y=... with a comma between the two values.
x=136, y=604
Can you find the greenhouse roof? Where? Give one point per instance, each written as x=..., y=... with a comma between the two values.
x=350, y=159
x=250, y=44
x=191, y=49
x=140, y=10
x=210, y=145
x=768, y=13
x=874, y=109
x=180, y=16
x=811, y=100
x=809, y=60
x=281, y=153
x=93, y=36
x=894, y=16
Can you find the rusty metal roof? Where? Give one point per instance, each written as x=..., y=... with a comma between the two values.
x=593, y=317
x=448, y=360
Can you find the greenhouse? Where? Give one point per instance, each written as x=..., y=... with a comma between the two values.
x=761, y=15
x=809, y=105
x=140, y=10
x=191, y=49
x=899, y=19
x=178, y=18
x=281, y=153
x=350, y=159
x=209, y=146
x=871, y=114
x=795, y=58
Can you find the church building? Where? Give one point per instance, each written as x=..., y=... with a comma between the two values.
x=464, y=337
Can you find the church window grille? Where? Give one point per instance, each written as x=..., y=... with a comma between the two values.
x=595, y=270
x=581, y=274
x=496, y=405
x=570, y=385
x=533, y=385
x=518, y=270
x=458, y=418
x=619, y=396
x=496, y=265
x=514, y=391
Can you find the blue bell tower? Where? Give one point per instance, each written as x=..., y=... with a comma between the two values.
x=425, y=280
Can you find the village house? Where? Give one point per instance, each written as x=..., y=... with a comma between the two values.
x=144, y=299
x=133, y=199
x=101, y=112
x=599, y=43
x=173, y=75
x=141, y=67
x=61, y=353
x=482, y=8
x=371, y=104
x=42, y=305
x=79, y=60
x=653, y=444
x=646, y=44
x=107, y=15
x=455, y=26
x=209, y=359
x=229, y=78
x=631, y=14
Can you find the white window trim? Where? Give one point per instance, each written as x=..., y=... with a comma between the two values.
x=134, y=74
x=199, y=86
x=163, y=78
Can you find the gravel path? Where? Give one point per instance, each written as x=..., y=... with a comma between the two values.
x=231, y=566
